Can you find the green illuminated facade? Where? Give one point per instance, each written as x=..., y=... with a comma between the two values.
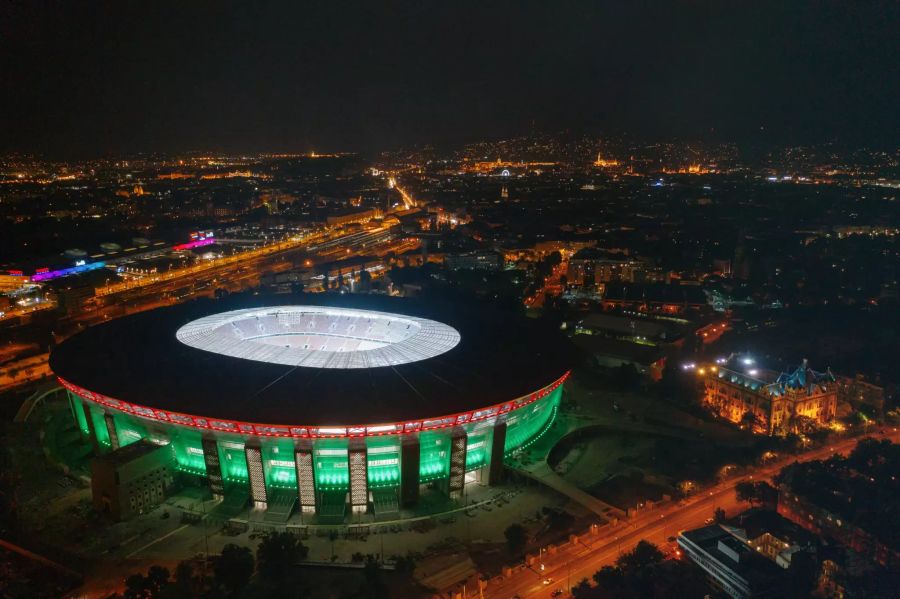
x=325, y=475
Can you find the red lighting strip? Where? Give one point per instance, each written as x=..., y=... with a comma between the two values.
x=312, y=432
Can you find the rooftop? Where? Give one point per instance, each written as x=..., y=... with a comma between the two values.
x=737, y=556
x=453, y=358
x=130, y=452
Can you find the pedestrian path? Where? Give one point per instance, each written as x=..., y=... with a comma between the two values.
x=545, y=475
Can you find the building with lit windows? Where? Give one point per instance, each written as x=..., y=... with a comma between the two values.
x=771, y=403
x=132, y=479
x=325, y=404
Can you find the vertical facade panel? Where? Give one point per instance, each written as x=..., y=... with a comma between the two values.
x=111, y=430
x=359, y=486
x=306, y=476
x=410, y=460
x=213, y=466
x=92, y=432
x=457, y=479
x=257, y=475
x=495, y=471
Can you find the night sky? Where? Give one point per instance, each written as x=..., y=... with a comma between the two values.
x=96, y=78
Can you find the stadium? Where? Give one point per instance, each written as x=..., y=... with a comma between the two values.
x=324, y=404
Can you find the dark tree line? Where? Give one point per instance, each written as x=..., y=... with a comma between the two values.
x=643, y=573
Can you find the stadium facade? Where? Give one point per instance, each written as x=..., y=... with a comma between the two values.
x=330, y=406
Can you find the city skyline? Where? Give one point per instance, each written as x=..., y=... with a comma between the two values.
x=508, y=300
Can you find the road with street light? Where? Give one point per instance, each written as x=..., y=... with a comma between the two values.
x=571, y=563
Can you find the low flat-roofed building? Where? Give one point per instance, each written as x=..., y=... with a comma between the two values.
x=592, y=266
x=857, y=390
x=636, y=329
x=731, y=564
x=352, y=216
x=612, y=353
x=773, y=536
x=12, y=282
x=132, y=479
x=478, y=260
x=655, y=297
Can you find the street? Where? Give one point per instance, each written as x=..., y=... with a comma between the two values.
x=572, y=563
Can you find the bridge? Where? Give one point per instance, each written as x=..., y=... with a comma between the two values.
x=46, y=389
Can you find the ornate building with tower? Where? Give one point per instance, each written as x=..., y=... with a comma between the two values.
x=772, y=403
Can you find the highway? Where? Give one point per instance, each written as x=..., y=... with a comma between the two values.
x=572, y=563
x=233, y=273
x=243, y=258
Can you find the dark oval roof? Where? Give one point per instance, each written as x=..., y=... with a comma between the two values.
x=137, y=359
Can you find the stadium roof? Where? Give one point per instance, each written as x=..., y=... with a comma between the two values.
x=138, y=359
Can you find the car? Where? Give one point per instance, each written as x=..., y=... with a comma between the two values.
x=709, y=521
x=556, y=593
x=548, y=581
x=672, y=539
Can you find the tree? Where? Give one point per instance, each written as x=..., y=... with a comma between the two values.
x=405, y=564
x=676, y=385
x=680, y=578
x=719, y=515
x=642, y=573
x=583, y=590
x=758, y=492
x=516, y=538
x=745, y=491
x=802, y=574
x=643, y=555
x=374, y=586
x=183, y=585
x=154, y=584
x=611, y=579
x=277, y=554
x=234, y=568
x=157, y=579
x=560, y=519
x=136, y=587
x=748, y=420
x=804, y=424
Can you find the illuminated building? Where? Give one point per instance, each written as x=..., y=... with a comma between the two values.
x=605, y=163
x=654, y=298
x=343, y=404
x=784, y=403
x=591, y=266
x=353, y=216
x=692, y=169
x=14, y=279
x=499, y=167
x=477, y=260
x=857, y=391
x=732, y=565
